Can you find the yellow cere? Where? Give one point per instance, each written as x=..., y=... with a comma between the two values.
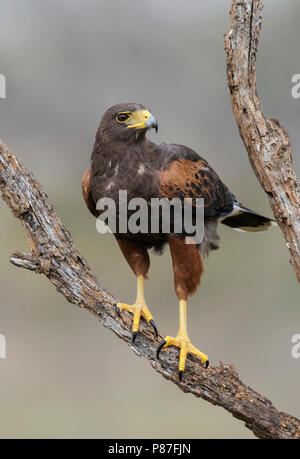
x=138, y=119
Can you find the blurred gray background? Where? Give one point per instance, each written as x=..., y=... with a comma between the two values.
x=65, y=62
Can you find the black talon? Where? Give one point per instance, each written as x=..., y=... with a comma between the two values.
x=118, y=311
x=206, y=364
x=180, y=373
x=154, y=327
x=134, y=335
x=160, y=347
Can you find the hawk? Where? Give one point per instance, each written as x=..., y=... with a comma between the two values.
x=123, y=158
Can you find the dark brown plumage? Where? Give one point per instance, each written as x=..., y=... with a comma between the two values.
x=124, y=159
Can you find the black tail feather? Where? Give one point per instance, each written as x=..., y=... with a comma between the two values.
x=247, y=220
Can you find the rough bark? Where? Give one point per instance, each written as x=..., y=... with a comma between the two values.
x=266, y=141
x=53, y=254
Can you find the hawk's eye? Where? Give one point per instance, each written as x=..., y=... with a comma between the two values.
x=123, y=117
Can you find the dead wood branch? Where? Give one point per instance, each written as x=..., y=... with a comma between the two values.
x=267, y=142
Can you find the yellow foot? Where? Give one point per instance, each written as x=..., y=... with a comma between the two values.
x=138, y=309
x=185, y=347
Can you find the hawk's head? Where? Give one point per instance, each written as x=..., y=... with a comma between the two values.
x=127, y=121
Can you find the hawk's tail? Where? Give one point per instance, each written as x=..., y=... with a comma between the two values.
x=243, y=219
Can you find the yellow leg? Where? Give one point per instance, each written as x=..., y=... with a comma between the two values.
x=183, y=342
x=138, y=309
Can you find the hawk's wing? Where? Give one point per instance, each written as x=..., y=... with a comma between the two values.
x=194, y=178
x=87, y=193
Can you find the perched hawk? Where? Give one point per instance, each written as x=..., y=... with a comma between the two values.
x=124, y=159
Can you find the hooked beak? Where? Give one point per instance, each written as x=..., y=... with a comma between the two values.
x=143, y=119
x=151, y=123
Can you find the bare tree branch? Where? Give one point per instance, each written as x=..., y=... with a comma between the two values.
x=267, y=143
x=54, y=255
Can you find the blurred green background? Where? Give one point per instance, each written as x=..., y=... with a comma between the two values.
x=66, y=62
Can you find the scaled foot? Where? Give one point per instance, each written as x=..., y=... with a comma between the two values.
x=138, y=309
x=186, y=347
